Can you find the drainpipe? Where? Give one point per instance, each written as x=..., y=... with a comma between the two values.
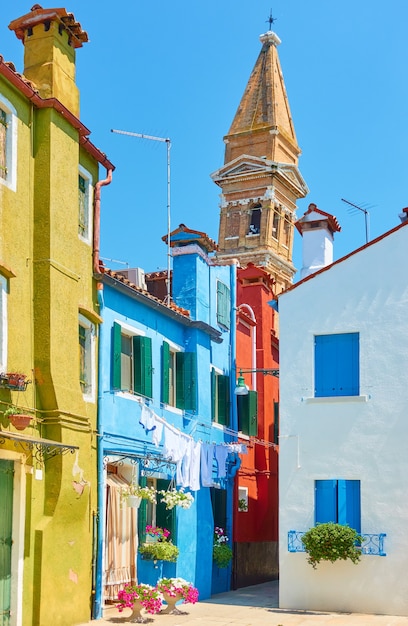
x=233, y=344
x=97, y=592
x=97, y=221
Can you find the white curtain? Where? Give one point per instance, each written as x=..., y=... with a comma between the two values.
x=120, y=540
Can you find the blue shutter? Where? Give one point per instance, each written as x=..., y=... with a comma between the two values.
x=349, y=506
x=337, y=365
x=325, y=501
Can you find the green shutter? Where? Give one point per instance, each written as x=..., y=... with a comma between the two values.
x=165, y=381
x=223, y=304
x=248, y=413
x=165, y=518
x=142, y=366
x=276, y=422
x=213, y=395
x=186, y=381
x=6, y=541
x=116, y=356
x=219, y=506
x=223, y=399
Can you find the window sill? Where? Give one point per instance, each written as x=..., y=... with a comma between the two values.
x=218, y=426
x=331, y=399
x=172, y=409
x=231, y=237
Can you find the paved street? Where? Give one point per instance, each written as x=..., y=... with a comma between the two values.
x=251, y=606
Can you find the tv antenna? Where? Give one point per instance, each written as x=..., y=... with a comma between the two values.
x=362, y=209
x=167, y=141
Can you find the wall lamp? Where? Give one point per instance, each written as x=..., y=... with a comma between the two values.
x=242, y=389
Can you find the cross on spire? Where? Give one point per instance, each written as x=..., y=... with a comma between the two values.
x=271, y=20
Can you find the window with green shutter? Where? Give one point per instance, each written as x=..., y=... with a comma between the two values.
x=179, y=378
x=186, y=381
x=132, y=368
x=156, y=514
x=248, y=413
x=223, y=304
x=220, y=398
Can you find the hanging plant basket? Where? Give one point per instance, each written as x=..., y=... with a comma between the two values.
x=20, y=420
x=133, y=502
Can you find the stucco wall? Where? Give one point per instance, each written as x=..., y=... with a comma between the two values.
x=361, y=438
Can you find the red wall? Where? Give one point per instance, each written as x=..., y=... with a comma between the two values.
x=259, y=468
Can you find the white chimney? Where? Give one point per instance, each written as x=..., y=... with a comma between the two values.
x=317, y=229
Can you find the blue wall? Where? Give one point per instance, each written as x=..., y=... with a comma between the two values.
x=194, y=288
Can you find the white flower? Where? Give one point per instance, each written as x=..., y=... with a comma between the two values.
x=175, y=497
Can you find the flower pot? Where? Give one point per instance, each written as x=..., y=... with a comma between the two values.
x=20, y=420
x=16, y=381
x=171, y=602
x=133, y=502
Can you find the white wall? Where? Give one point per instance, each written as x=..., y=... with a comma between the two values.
x=363, y=438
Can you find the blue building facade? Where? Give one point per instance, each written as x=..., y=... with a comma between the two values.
x=166, y=384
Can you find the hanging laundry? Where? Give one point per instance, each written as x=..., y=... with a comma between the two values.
x=195, y=466
x=158, y=431
x=207, y=456
x=147, y=418
x=221, y=453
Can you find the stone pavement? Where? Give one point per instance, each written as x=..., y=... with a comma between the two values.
x=251, y=606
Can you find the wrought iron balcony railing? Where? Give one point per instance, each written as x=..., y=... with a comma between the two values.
x=373, y=544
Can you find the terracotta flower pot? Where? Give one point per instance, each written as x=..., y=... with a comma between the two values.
x=20, y=420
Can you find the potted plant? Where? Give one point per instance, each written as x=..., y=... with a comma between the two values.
x=16, y=381
x=242, y=505
x=18, y=417
x=176, y=497
x=332, y=542
x=162, y=549
x=175, y=589
x=137, y=597
x=222, y=553
x=133, y=494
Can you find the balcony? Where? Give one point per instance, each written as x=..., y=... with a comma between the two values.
x=373, y=544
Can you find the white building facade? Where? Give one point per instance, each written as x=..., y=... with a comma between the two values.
x=344, y=428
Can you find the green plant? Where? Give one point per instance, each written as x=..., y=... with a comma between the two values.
x=222, y=554
x=160, y=551
x=331, y=542
x=242, y=505
x=13, y=410
x=145, y=493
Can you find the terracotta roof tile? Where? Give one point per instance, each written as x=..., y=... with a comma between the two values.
x=119, y=277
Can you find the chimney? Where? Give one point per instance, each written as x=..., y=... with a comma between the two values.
x=50, y=38
x=404, y=215
x=317, y=229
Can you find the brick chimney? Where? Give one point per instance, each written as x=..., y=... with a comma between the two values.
x=50, y=37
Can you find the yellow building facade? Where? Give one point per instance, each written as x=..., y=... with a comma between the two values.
x=49, y=318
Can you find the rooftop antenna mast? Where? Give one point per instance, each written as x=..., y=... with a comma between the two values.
x=167, y=141
x=366, y=216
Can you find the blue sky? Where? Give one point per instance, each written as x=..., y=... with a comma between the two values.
x=178, y=69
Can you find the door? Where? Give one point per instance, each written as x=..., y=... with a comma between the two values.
x=6, y=521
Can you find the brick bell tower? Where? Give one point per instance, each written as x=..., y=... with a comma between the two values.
x=260, y=179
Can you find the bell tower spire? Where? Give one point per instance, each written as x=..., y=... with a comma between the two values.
x=260, y=179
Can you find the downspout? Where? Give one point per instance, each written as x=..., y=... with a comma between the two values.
x=97, y=221
x=97, y=592
x=233, y=344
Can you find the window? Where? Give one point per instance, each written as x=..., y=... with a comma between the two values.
x=337, y=365
x=132, y=362
x=248, y=413
x=255, y=220
x=286, y=232
x=179, y=378
x=3, y=323
x=8, y=144
x=275, y=224
x=84, y=205
x=220, y=398
x=243, y=499
x=156, y=514
x=338, y=501
x=86, y=356
x=223, y=304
